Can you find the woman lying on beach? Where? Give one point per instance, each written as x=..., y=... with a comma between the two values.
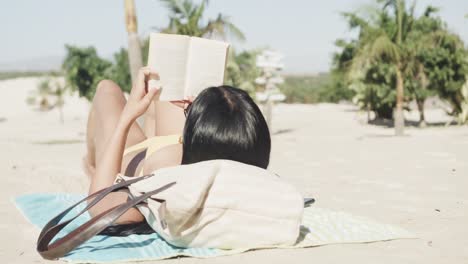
x=221, y=123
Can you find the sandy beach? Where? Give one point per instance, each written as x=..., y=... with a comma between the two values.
x=328, y=151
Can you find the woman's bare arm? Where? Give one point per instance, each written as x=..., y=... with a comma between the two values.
x=110, y=164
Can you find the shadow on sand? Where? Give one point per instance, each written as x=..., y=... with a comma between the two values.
x=283, y=131
x=389, y=123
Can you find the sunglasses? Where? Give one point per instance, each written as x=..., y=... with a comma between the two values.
x=185, y=104
x=186, y=109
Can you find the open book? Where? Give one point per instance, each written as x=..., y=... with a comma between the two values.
x=186, y=65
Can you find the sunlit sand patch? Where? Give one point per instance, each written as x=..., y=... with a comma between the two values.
x=438, y=154
x=367, y=202
x=394, y=186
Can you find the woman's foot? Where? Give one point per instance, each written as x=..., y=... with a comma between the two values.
x=88, y=169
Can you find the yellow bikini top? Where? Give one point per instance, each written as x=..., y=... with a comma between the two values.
x=151, y=145
x=154, y=144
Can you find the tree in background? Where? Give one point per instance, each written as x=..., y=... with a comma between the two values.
x=390, y=53
x=372, y=82
x=59, y=93
x=241, y=70
x=463, y=115
x=41, y=97
x=185, y=18
x=83, y=69
x=447, y=70
x=50, y=94
x=385, y=40
x=119, y=72
x=134, y=47
x=419, y=39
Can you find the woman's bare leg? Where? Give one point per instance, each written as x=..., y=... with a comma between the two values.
x=108, y=103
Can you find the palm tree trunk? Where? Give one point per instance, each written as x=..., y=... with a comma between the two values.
x=398, y=115
x=62, y=119
x=420, y=101
x=134, y=48
x=422, y=118
x=135, y=60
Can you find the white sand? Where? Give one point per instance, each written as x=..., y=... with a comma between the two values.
x=418, y=181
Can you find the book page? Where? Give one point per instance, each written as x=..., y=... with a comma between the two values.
x=168, y=56
x=206, y=64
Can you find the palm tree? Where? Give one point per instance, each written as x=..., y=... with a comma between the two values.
x=134, y=48
x=386, y=40
x=185, y=18
x=424, y=35
x=398, y=49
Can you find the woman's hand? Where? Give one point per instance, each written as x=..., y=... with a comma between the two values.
x=140, y=97
x=184, y=103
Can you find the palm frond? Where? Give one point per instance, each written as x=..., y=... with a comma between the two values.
x=222, y=28
x=388, y=3
x=234, y=31
x=408, y=20
x=376, y=47
x=384, y=46
x=341, y=43
x=355, y=21
x=176, y=7
x=431, y=10
x=198, y=12
x=186, y=19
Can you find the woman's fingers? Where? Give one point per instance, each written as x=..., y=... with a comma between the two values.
x=178, y=103
x=152, y=93
x=153, y=84
x=144, y=75
x=147, y=72
x=181, y=103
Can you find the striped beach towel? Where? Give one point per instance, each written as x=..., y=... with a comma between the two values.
x=319, y=227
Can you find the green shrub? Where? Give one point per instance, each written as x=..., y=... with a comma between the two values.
x=84, y=69
x=20, y=74
x=309, y=89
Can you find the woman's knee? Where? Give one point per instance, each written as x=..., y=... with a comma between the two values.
x=106, y=87
x=108, y=97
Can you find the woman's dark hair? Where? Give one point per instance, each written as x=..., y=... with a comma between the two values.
x=225, y=123
x=222, y=123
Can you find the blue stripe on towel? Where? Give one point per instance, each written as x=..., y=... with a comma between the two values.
x=40, y=208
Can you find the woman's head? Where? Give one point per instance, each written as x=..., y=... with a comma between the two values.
x=225, y=123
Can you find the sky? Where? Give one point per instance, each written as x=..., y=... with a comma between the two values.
x=35, y=32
